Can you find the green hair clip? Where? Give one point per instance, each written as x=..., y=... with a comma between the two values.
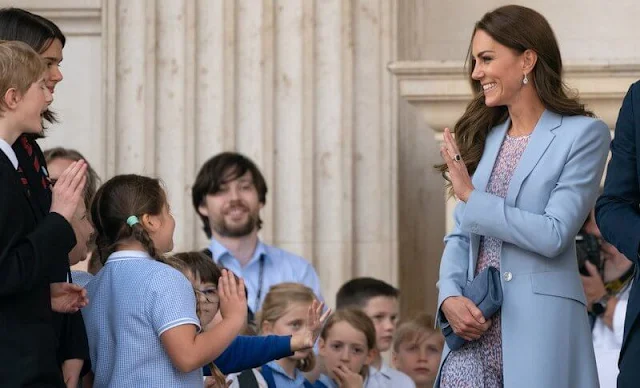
x=132, y=220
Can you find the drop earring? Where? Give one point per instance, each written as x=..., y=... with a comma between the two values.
x=525, y=80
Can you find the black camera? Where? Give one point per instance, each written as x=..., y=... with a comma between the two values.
x=588, y=249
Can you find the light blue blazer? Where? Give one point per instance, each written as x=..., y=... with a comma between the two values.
x=546, y=338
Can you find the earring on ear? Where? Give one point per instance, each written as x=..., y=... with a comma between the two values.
x=525, y=80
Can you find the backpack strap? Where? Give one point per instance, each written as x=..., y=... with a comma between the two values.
x=267, y=373
x=247, y=379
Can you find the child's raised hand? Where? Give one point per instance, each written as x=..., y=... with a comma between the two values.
x=306, y=337
x=347, y=378
x=69, y=189
x=233, y=300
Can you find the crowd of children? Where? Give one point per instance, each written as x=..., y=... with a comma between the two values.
x=153, y=318
x=159, y=318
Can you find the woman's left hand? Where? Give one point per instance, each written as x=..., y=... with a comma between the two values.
x=460, y=179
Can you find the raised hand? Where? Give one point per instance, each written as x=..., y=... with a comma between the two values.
x=233, y=300
x=307, y=336
x=69, y=190
x=458, y=173
x=67, y=297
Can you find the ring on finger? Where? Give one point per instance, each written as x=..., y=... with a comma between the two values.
x=457, y=158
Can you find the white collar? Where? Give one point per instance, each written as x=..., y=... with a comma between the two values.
x=127, y=255
x=6, y=148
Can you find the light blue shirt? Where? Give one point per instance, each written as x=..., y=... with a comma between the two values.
x=279, y=267
x=81, y=278
x=134, y=299
x=388, y=377
x=283, y=380
x=329, y=383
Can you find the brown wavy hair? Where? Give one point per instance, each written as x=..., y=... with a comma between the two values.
x=518, y=28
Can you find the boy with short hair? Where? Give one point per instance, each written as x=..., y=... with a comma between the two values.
x=34, y=247
x=417, y=348
x=379, y=301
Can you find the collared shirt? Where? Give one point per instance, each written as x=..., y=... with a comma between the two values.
x=607, y=342
x=279, y=267
x=11, y=154
x=326, y=381
x=81, y=278
x=283, y=380
x=388, y=377
x=134, y=299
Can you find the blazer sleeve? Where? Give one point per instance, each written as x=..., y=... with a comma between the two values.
x=27, y=257
x=246, y=352
x=617, y=209
x=454, y=264
x=550, y=233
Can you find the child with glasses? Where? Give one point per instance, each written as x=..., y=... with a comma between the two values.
x=245, y=352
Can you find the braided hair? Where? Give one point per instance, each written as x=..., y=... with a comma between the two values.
x=118, y=199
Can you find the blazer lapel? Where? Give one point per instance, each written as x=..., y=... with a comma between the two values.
x=539, y=141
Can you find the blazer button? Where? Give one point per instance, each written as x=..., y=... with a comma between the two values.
x=507, y=276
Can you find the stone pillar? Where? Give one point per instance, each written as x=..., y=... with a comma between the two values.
x=299, y=86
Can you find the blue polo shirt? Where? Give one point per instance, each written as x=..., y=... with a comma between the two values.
x=134, y=299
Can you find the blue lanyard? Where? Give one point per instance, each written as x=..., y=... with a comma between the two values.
x=260, y=285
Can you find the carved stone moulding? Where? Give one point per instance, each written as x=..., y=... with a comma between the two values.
x=440, y=89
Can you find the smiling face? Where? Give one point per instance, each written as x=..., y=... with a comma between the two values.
x=499, y=69
x=53, y=56
x=31, y=105
x=234, y=210
x=419, y=357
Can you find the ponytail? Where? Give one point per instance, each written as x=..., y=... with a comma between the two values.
x=114, y=211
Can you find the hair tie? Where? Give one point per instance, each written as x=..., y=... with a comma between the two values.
x=132, y=220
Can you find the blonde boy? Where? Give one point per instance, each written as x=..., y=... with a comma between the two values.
x=417, y=348
x=31, y=246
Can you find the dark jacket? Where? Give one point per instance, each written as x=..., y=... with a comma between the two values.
x=618, y=217
x=32, y=248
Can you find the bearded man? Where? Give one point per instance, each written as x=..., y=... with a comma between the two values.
x=228, y=194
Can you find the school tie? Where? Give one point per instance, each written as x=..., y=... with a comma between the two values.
x=25, y=182
x=33, y=161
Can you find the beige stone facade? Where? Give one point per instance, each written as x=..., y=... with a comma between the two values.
x=334, y=99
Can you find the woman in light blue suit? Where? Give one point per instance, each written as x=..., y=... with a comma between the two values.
x=525, y=166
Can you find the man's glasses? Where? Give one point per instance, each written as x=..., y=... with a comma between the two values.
x=209, y=294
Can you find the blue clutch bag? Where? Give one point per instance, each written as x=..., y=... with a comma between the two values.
x=485, y=291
